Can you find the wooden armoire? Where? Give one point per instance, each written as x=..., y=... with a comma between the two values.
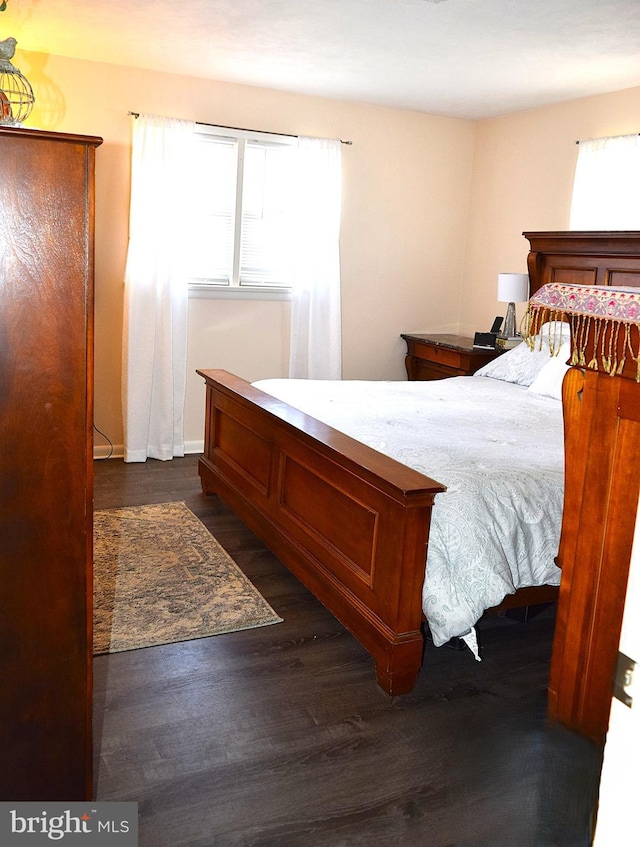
x=46, y=483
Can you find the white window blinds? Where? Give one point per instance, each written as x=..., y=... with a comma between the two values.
x=242, y=211
x=213, y=194
x=267, y=209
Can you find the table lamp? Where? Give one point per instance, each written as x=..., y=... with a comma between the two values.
x=512, y=289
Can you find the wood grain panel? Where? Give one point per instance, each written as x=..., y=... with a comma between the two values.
x=346, y=527
x=624, y=277
x=247, y=452
x=46, y=421
x=572, y=275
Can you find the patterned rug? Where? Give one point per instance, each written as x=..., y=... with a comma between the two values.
x=160, y=577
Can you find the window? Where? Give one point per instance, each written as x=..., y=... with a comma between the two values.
x=242, y=204
x=606, y=187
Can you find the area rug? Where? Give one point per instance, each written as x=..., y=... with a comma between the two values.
x=161, y=577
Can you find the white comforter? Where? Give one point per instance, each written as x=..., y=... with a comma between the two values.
x=499, y=450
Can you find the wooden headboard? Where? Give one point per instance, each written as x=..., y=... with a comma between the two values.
x=584, y=258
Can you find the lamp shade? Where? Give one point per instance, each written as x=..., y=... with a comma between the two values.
x=513, y=288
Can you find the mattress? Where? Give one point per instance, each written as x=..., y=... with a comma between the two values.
x=496, y=445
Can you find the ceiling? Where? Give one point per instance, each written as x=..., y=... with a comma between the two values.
x=459, y=58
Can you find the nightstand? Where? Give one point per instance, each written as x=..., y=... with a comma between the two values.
x=440, y=356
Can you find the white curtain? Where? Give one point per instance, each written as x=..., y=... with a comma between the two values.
x=316, y=328
x=606, y=188
x=156, y=291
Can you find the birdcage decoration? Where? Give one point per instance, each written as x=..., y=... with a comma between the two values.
x=16, y=94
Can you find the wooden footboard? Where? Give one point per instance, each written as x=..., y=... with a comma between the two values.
x=350, y=523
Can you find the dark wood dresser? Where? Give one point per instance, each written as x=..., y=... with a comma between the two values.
x=46, y=484
x=435, y=356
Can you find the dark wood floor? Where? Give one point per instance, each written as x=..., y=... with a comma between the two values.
x=280, y=737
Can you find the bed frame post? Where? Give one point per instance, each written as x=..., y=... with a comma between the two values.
x=602, y=480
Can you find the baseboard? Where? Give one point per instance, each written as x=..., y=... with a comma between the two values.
x=105, y=451
x=194, y=446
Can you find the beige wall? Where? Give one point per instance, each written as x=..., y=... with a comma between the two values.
x=522, y=181
x=433, y=209
x=405, y=208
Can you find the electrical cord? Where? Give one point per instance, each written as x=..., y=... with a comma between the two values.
x=109, y=442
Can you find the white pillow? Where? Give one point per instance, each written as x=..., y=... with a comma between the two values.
x=555, y=333
x=548, y=383
x=522, y=364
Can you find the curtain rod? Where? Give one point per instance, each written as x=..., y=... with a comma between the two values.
x=242, y=129
x=627, y=135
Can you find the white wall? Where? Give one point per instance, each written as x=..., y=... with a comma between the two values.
x=522, y=181
x=248, y=338
x=405, y=207
x=433, y=210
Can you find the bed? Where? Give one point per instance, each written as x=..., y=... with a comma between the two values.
x=495, y=445
x=354, y=523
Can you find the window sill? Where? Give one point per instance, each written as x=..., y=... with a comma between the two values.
x=213, y=292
